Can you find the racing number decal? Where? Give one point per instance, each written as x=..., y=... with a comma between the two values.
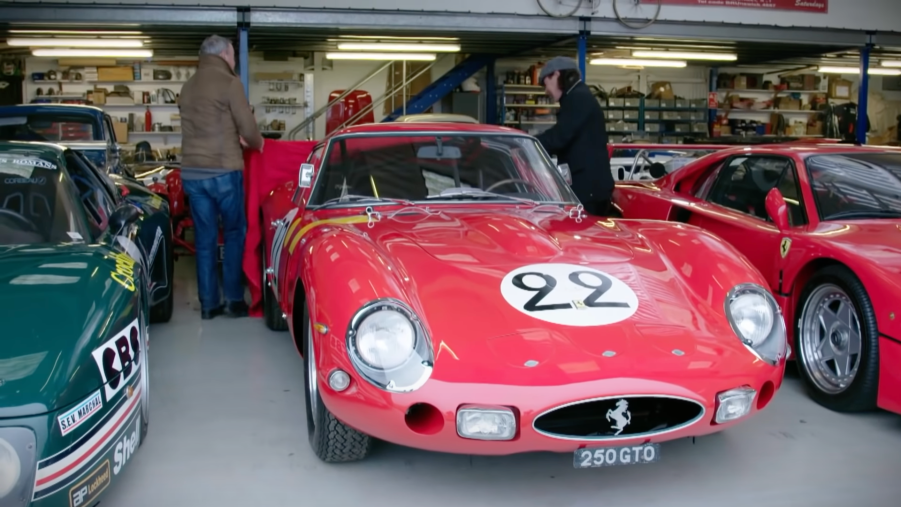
x=569, y=294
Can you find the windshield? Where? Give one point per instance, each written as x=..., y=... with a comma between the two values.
x=48, y=127
x=859, y=185
x=37, y=202
x=456, y=166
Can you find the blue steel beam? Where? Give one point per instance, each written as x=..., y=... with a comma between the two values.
x=862, y=93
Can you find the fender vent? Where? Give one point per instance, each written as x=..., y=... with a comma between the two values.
x=619, y=417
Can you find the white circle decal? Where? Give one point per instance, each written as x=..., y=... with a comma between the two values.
x=569, y=295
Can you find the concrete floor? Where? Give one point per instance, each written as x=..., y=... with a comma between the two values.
x=228, y=429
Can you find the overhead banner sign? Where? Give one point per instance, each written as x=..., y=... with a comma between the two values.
x=820, y=6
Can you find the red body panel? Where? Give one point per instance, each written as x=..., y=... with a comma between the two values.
x=870, y=248
x=448, y=262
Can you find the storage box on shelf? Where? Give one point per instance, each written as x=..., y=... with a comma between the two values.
x=526, y=107
x=282, y=105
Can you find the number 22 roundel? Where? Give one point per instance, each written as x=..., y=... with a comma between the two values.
x=569, y=295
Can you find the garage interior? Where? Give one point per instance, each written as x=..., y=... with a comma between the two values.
x=228, y=412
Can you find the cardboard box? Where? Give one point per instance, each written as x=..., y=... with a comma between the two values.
x=815, y=128
x=115, y=74
x=121, y=129
x=662, y=90
x=839, y=88
x=788, y=104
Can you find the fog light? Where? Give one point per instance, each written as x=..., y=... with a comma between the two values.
x=339, y=380
x=734, y=404
x=482, y=423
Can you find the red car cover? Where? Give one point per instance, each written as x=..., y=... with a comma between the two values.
x=279, y=162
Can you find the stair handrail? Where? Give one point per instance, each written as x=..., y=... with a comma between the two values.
x=300, y=126
x=389, y=93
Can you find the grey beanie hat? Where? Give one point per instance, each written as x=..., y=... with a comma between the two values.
x=557, y=63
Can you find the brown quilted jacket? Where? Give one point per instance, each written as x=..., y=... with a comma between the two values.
x=214, y=112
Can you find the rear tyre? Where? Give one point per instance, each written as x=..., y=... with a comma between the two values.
x=162, y=311
x=332, y=440
x=836, y=341
x=272, y=312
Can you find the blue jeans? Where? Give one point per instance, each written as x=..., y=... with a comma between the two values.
x=211, y=199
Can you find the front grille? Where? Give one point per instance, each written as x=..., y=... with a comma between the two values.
x=619, y=417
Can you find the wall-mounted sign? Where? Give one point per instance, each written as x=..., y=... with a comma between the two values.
x=821, y=6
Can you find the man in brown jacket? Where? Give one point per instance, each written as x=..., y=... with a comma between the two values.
x=217, y=123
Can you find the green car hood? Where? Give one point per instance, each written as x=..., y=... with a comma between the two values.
x=60, y=303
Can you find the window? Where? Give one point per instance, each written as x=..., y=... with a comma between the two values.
x=94, y=197
x=743, y=183
x=859, y=185
x=48, y=127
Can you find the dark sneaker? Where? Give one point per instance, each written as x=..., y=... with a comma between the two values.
x=209, y=314
x=237, y=309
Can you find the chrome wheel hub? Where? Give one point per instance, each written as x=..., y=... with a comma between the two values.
x=831, y=339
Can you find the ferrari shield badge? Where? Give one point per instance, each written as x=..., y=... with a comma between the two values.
x=785, y=246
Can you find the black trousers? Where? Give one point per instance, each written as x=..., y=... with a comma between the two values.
x=599, y=208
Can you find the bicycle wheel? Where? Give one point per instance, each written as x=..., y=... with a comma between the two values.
x=560, y=8
x=636, y=13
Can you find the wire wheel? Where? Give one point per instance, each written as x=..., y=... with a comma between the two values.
x=560, y=8
x=831, y=339
x=636, y=13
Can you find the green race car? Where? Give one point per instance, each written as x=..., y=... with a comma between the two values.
x=85, y=266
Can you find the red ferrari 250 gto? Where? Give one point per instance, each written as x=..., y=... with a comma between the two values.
x=823, y=226
x=447, y=292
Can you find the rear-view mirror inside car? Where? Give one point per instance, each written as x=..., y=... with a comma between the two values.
x=435, y=152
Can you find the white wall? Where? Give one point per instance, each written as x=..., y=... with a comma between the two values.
x=879, y=15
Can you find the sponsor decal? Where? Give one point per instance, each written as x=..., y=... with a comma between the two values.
x=86, y=491
x=81, y=413
x=569, y=294
x=124, y=272
x=119, y=359
x=40, y=180
x=126, y=447
x=30, y=162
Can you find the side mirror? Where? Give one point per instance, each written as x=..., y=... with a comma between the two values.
x=123, y=217
x=305, y=179
x=777, y=209
x=566, y=173
x=657, y=170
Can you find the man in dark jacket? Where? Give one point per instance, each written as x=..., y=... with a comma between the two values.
x=579, y=138
x=217, y=123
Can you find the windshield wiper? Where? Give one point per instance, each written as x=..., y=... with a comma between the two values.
x=355, y=198
x=469, y=193
x=865, y=214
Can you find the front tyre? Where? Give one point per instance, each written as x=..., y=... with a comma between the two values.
x=332, y=440
x=837, y=342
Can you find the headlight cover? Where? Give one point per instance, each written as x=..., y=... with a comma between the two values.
x=389, y=347
x=17, y=465
x=757, y=321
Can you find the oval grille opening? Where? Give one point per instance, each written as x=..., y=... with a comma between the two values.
x=619, y=417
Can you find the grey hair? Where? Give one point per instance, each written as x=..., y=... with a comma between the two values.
x=214, y=45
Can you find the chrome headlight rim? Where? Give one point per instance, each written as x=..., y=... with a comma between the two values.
x=777, y=331
x=414, y=371
x=22, y=441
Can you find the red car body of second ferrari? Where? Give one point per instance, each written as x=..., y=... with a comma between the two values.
x=639, y=309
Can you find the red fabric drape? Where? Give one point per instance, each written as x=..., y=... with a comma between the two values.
x=279, y=162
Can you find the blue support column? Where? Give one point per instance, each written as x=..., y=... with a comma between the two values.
x=491, y=105
x=712, y=87
x=862, y=93
x=243, y=64
x=583, y=50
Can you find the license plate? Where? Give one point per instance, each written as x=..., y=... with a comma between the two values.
x=615, y=456
x=221, y=252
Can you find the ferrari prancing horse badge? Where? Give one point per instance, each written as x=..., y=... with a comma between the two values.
x=785, y=247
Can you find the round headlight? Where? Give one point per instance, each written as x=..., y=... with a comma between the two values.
x=385, y=339
x=10, y=468
x=753, y=317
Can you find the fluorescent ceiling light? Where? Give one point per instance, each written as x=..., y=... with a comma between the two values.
x=395, y=37
x=678, y=55
x=891, y=63
x=365, y=46
x=643, y=63
x=381, y=56
x=855, y=70
x=75, y=32
x=76, y=43
x=101, y=53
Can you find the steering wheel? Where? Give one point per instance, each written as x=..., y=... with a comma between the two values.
x=642, y=154
x=513, y=180
x=19, y=218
